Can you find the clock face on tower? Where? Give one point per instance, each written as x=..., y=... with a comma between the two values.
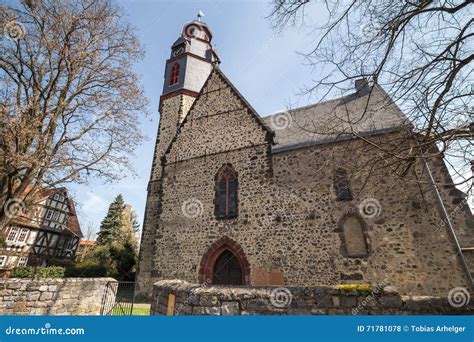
x=178, y=50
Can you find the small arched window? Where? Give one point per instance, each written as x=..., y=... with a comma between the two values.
x=355, y=241
x=342, y=185
x=174, y=77
x=226, y=193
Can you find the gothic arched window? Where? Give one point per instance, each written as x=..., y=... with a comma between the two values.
x=355, y=241
x=174, y=74
x=226, y=193
x=342, y=185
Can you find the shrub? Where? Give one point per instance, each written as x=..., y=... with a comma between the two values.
x=33, y=272
x=88, y=269
x=50, y=272
x=23, y=272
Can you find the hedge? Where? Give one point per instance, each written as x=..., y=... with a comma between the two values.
x=86, y=270
x=38, y=272
x=80, y=270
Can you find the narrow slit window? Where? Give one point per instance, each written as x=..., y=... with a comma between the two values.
x=342, y=185
x=226, y=193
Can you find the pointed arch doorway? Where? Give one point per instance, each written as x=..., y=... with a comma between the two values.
x=227, y=270
x=224, y=264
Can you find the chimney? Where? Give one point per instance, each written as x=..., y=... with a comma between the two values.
x=362, y=86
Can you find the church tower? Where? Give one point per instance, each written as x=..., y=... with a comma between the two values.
x=191, y=61
x=188, y=67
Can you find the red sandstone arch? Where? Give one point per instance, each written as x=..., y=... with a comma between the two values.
x=215, y=250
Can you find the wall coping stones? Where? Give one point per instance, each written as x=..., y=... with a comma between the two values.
x=241, y=300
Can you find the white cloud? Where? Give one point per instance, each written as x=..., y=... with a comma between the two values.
x=94, y=204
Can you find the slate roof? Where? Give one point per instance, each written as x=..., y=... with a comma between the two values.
x=366, y=112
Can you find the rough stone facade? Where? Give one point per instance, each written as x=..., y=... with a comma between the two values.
x=289, y=224
x=177, y=107
x=68, y=296
x=193, y=299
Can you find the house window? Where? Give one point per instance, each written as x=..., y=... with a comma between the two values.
x=226, y=201
x=342, y=185
x=174, y=74
x=12, y=234
x=355, y=241
x=23, y=261
x=22, y=236
x=3, y=260
x=49, y=214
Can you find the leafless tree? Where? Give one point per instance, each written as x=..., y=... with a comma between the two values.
x=420, y=52
x=70, y=101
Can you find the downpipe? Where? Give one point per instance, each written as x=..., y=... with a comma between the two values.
x=449, y=224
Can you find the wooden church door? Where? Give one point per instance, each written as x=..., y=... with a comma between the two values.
x=227, y=270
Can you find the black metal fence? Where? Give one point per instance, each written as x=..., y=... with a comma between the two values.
x=118, y=299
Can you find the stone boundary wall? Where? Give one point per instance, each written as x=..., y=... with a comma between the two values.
x=66, y=296
x=193, y=299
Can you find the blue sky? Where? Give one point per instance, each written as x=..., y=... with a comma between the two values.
x=262, y=63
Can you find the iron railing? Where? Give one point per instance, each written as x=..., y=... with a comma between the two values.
x=118, y=299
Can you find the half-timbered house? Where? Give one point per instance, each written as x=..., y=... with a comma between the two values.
x=47, y=234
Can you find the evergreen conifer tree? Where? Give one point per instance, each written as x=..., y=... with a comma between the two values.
x=112, y=224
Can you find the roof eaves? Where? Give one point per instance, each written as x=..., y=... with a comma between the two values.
x=307, y=143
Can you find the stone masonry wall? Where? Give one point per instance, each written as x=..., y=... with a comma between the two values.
x=172, y=112
x=409, y=246
x=289, y=219
x=192, y=299
x=68, y=296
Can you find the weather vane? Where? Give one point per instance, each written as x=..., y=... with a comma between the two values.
x=200, y=15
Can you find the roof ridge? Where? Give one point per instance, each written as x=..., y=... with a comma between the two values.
x=351, y=97
x=312, y=105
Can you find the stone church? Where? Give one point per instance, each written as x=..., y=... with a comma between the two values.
x=291, y=199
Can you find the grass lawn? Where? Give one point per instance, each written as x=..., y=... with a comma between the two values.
x=136, y=311
x=141, y=311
